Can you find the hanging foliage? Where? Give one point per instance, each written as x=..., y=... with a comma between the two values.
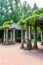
x=5, y=24
x=38, y=11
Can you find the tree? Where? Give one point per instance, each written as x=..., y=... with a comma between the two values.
x=34, y=7
x=13, y=10
x=4, y=11
x=25, y=10
x=9, y=9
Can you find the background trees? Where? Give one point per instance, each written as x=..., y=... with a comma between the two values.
x=14, y=10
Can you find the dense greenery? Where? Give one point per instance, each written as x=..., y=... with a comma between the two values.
x=22, y=14
x=13, y=10
x=32, y=19
x=38, y=11
x=5, y=24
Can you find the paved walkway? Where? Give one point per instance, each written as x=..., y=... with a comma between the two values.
x=13, y=55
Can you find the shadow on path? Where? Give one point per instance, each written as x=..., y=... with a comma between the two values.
x=38, y=53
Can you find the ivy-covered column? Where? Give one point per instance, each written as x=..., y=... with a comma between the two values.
x=22, y=39
x=28, y=43
x=35, y=37
x=22, y=35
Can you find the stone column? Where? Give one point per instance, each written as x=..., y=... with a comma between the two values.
x=25, y=35
x=30, y=33
x=28, y=43
x=22, y=39
x=4, y=39
x=11, y=36
x=14, y=35
x=6, y=35
x=41, y=36
x=35, y=37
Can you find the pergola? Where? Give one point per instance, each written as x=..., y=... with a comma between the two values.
x=12, y=27
x=39, y=23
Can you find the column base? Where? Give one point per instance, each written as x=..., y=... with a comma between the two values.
x=35, y=46
x=42, y=43
x=8, y=43
x=29, y=46
x=22, y=46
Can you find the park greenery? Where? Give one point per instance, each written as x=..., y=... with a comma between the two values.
x=14, y=10
x=19, y=13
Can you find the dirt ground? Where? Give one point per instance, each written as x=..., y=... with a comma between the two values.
x=13, y=55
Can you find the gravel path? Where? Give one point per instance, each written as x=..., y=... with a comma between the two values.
x=13, y=55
